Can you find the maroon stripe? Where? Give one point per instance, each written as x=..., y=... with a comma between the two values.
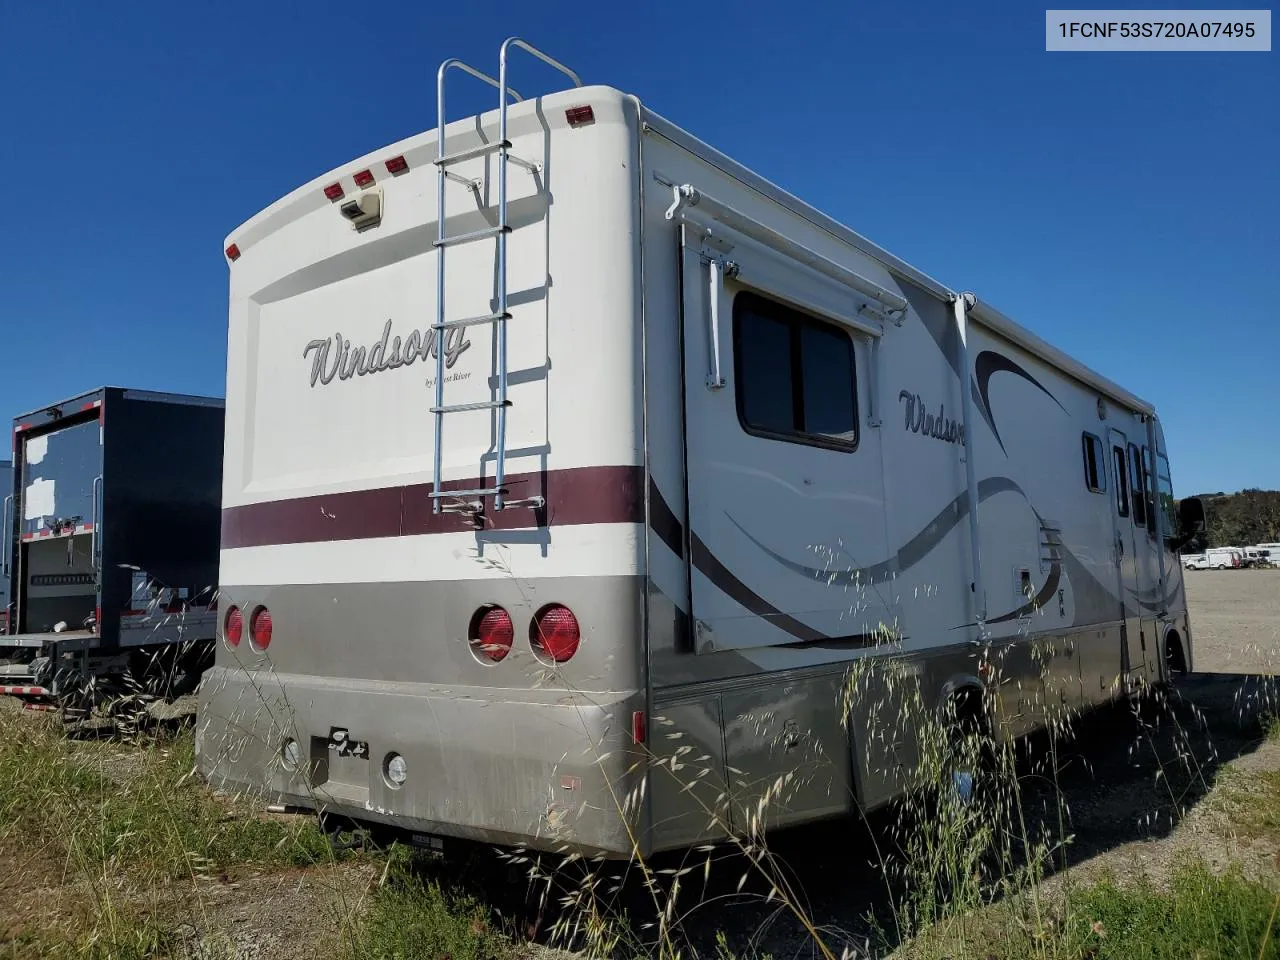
x=575, y=496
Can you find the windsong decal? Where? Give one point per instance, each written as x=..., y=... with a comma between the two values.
x=935, y=425
x=335, y=357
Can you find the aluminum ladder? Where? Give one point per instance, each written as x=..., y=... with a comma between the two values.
x=500, y=316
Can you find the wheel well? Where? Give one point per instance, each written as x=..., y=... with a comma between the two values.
x=1174, y=653
x=966, y=708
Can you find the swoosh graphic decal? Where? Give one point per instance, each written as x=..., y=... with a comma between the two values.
x=719, y=574
x=988, y=363
x=1047, y=591
x=1148, y=599
x=915, y=549
x=664, y=521
x=671, y=532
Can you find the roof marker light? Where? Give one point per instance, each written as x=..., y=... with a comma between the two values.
x=334, y=191
x=363, y=178
x=397, y=165
x=233, y=252
x=580, y=116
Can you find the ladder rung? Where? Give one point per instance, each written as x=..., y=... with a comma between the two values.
x=478, y=492
x=474, y=235
x=471, y=321
x=471, y=153
x=483, y=405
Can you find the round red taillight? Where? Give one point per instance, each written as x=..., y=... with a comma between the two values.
x=233, y=629
x=492, y=633
x=260, y=627
x=554, y=633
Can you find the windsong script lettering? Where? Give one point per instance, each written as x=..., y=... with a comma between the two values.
x=936, y=425
x=335, y=357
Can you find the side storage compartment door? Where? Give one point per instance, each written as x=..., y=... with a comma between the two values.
x=787, y=532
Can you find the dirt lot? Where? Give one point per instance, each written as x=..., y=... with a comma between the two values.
x=1235, y=620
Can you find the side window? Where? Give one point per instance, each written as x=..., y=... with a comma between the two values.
x=1095, y=471
x=795, y=375
x=1147, y=474
x=1138, y=486
x=1165, y=486
x=1122, y=483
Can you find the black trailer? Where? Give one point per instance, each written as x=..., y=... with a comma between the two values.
x=112, y=533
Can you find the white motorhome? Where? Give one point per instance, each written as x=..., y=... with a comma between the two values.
x=557, y=439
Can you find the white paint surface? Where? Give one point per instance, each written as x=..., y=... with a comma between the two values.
x=589, y=550
x=37, y=447
x=39, y=499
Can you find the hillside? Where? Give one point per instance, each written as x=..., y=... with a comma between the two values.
x=1239, y=519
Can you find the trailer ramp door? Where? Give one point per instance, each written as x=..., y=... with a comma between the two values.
x=60, y=503
x=786, y=535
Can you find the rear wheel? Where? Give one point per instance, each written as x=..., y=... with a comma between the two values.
x=1175, y=658
x=969, y=759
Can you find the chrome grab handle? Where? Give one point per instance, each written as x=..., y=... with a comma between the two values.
x=4, y=538
x=718, y=270
x=93, y=533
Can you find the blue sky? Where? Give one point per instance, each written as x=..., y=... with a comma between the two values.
x=1126, y=207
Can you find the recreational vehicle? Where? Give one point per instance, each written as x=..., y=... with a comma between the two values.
x=558, y=443
x=112, y=547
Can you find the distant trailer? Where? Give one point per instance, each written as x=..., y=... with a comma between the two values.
x=111, y=536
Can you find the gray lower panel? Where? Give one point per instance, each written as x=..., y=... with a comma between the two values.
x=545, y=768
x=798, y=745
x=418, y=631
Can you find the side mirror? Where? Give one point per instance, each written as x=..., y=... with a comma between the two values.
x=1191, y=523
x=1190, y=516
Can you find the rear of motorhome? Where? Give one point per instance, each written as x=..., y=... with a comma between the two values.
x=557, y=441
x=111, y=531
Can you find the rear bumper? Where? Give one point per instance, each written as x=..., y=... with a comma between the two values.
x=543, y=768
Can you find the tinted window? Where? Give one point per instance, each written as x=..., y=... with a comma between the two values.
x=1165, y=484
x=826, y=362
x=1095, y=476
x=1138, y=486
x=1122, y=483
x=764, y=363
x=794, y=374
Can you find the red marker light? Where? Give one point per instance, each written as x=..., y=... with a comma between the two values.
x=234, y=627
x=233, y=252
x=260, y=628
x=397, y=165
x=363, y=178
x=334, y=191
x=554, y=632
x=580, y=116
